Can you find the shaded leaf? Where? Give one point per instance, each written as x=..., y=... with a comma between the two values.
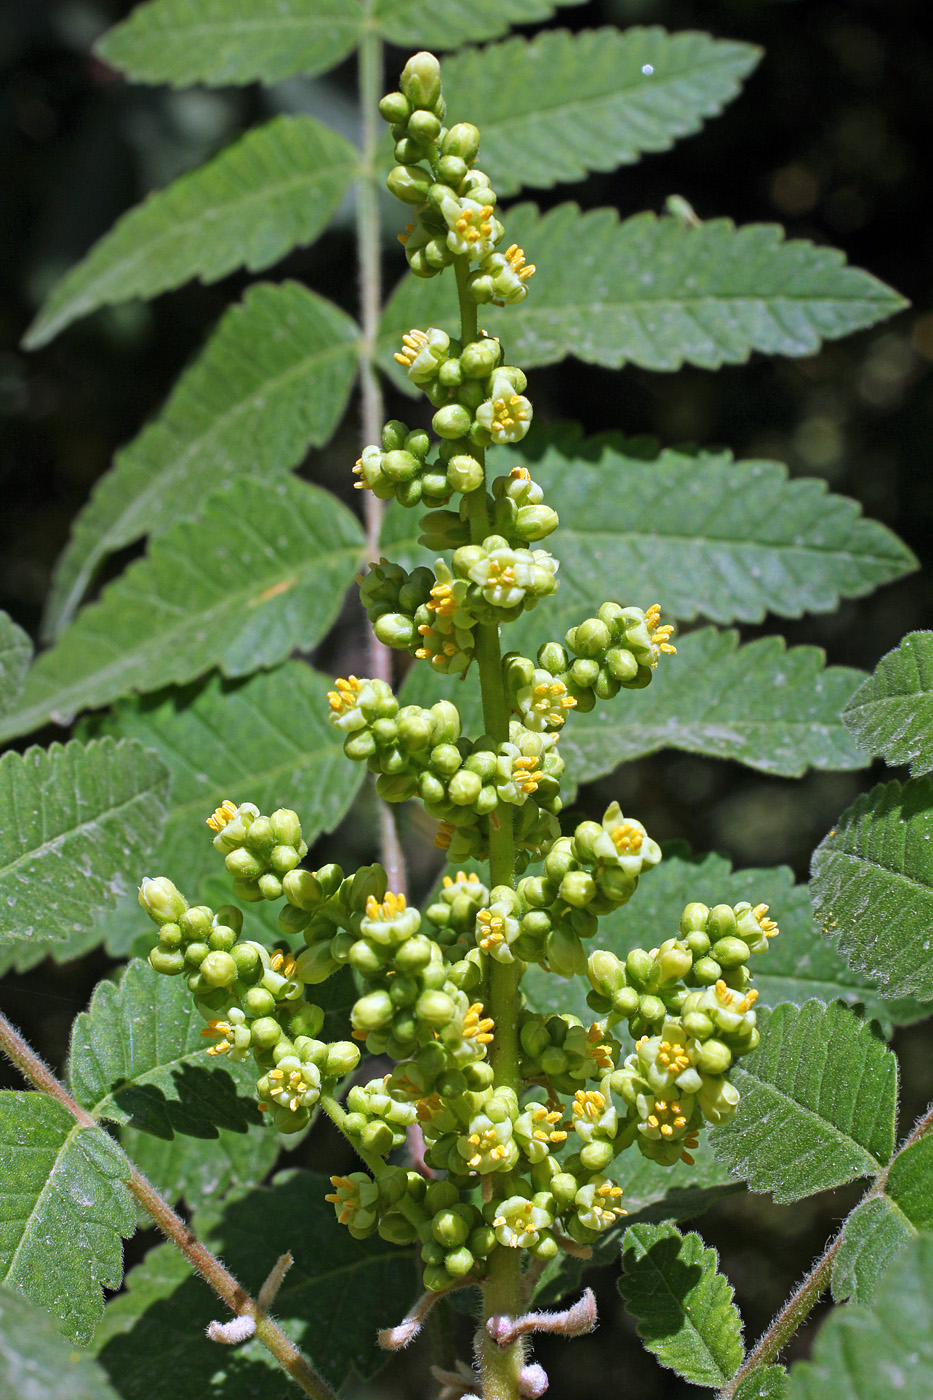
x=63, y=1209
x=878, y=1228
x=818, y=1105
x=264, y=740
x=273, y=378
x=77, y=819
x=446, y=24
x=654, y=293
x=671, y=1283
x=561, y=104
x=274, y=188
x=868, y=1353
x=260, y=572
x=769, y=707
x=892, y=713
x=201, y=1169
x=15, y=656
x=872, y=886
x=36, y=1364
x=798, y=966
x=333, y=1299
x=231, y=41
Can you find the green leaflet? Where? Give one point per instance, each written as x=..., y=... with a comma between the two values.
x=264, y=740
x=892, y=713
x=77, y=820
x=332, y=1301
x=686, y=1316
x=561, y=104
x=885, y=1348
x=818, y=1105
x=797, y=967
x=878, y=1228
x=15, y=655
x=273, y=378
x=763, y=1383
x=274, y=188
x=242, y=41
x=872, y=886
x=36, y=1364
x=712, y=295
x=64, y=1209
x=261, y=571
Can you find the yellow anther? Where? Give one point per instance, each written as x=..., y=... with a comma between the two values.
x=768, y=927
x=588, y=1103
x=445, y=830
x=391, y=907
x=723, y=994
x=225, y=813
x=414, y=341
x=627, y=839
x=345, y=696
x=520, y=474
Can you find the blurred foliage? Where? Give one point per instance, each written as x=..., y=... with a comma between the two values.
x=833, y=137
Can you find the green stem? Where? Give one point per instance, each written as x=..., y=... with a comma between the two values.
x=372, y=410
x=338, y=1116
x=214, y=1273
x=502, y=1286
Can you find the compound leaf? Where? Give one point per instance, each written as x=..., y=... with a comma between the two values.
x=872, y=885
x=337, y=1293
x=231, y=41
x=561, y=104
x=36, y=1363
x=892, y=713
x=868, y=1352
x=818, y=1105
x=769, y=707
x=273, y=379
x=63, y=1207
x=446, y=24
x=261, y=571
x=799, y=965
x=671, y=1283
x=655, y=293
x=274, y=188
x=878, y=1228
x=264, y=740
x=15, y=656
x=77, y=820
x=702, y=533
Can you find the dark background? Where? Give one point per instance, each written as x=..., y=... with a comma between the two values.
x=832, y=136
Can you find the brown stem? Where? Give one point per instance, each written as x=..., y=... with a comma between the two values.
x=172, y=1226
x=808, y=1293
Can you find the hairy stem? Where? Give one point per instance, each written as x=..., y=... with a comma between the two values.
x=173, y=1227
x=372, y=411
x=502, y=1287
x=808, y=1293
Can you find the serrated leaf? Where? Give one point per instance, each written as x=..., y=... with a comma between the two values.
x=892, y=713
x=769, y=707
x=763, y=1383
x=868, y=1353
x=264, y=740
x=36, y=1364
x=15, y=656
x=818, y=1105
x=261, y=571
x=654, y=293
x=273, y=379
x=798, y=966
x=686, y=1317
x=561, y=104
x=202, y=1169
x=446, y=24
x=63, y=1209
x=879, y=1228
x=872, y=886
x=337, y=1293
x=76, y=821
x=273, y=189
x=231, y=41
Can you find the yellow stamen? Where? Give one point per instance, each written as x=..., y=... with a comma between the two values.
x=225, y=813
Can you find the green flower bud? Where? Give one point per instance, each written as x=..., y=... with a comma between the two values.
x=169, y=961
x=535, y=523
x=435, y=1008
x=395, y=108
x=342, y=1058
x=409, y=183
x=462, y=140
x=730, y=952
x=452, y=421
x=219, y=969
x=464, y=787
x=421, y=80
x=195, y=953
x=424, y=127
x=269, y=886
x=161, y=900
x=302, y=890
x=197, y=923
x=315, y=964
x=707, y=971
x=451, y=170
x=721, y=922
x=578, y=888
x=694, y=918
x=713, y=1057
x=464, y=473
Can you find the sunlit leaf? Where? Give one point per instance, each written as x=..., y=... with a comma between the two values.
x=879, y=1228
x=892, y=713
